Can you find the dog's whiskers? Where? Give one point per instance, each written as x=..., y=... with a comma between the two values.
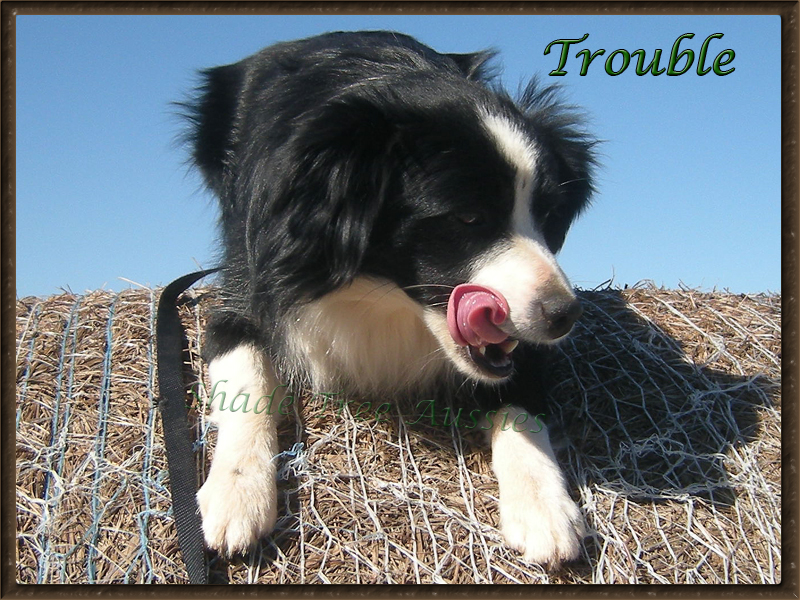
x=464, y=384
x=572, y=181
x=423, y=285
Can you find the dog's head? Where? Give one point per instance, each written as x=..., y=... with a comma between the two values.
x=431, y=179
x=491, y=192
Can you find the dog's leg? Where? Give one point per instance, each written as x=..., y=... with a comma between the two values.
x=238, y=500
x=537, y=515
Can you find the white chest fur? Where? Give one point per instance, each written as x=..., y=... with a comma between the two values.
x=366, y=339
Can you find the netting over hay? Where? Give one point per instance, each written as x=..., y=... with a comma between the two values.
x=666, y=417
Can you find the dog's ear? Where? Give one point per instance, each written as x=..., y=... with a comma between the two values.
x=570, y=192
x=572, y=159
x=212, y=116
x=331, y=186
x=477, y=65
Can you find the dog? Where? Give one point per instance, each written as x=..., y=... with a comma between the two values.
x=389, y=221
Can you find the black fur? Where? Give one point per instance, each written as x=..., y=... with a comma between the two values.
x=349, y=154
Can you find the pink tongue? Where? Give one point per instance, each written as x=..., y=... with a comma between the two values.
x=473, y=314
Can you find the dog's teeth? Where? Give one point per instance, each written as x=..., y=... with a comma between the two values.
x=482, y=350
x=509, y=346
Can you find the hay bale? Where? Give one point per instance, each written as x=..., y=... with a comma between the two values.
x=667, y=413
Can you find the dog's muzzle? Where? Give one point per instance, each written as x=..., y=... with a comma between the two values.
x=477, y=318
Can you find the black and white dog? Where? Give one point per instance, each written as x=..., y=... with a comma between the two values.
x=389, y=220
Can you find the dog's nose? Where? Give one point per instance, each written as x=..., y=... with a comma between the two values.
x=560, y=314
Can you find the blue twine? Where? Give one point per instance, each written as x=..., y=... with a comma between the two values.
x=143, y=518
x=55, y=428
x=65, y=422
x=100, y=444
x=296, y=460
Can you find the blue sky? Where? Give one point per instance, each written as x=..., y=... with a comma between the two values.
x=688, y=192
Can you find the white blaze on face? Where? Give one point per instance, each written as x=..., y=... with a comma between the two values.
x=522, y=269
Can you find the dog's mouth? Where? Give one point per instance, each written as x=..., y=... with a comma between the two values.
x=474, y=316
x=494, y=359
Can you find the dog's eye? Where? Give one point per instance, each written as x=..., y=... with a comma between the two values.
x=471, y=218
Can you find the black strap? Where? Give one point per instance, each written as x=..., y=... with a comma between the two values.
x=177, y=438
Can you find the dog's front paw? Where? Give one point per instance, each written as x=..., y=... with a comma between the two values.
x=546, y=526
x=238, y=506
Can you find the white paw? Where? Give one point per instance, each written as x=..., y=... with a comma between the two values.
x=238, y=505
x=545, y=525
